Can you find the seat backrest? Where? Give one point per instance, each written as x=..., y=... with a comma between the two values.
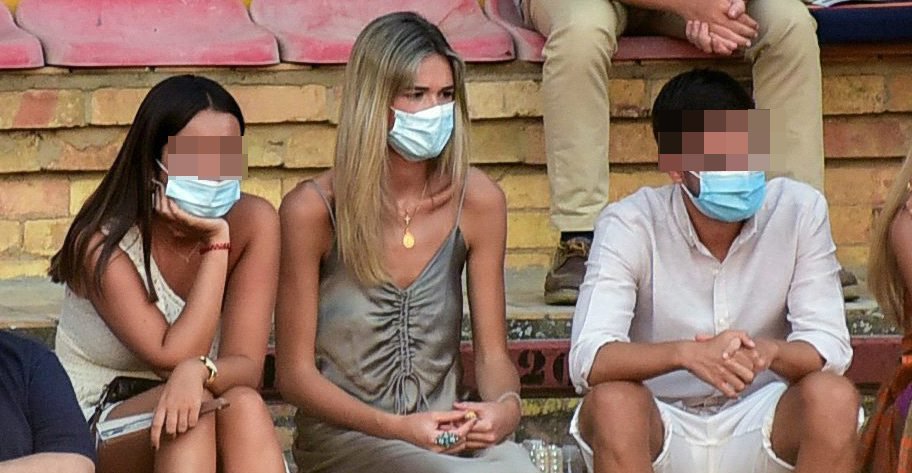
x=115, y=15
x=312, y=12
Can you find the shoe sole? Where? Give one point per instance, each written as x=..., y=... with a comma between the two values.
x=851, y=293
x=562, y=297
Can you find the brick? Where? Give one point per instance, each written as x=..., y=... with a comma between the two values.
x=334, y=103
x=885, y=135
x=80, y=190
x=92, y=149
x=851, y=225
x=19, y=151
x=23, y=267
x=311, y=147
x=504, y=99
x=115, y=106
x=521, y=259
x=899, y=93
x=628, y=98
x=10, y=235
x=526, y=189
x=34, y=197
x=530, y=230
x=281, y=103
x=624, y=183
x=853, y=257
x=267, y=188
x=45, y=237
x=862, y=183
x=632, y=142
x=46, y=108
x=851, y=95
x=508, y=141
x=265, y=145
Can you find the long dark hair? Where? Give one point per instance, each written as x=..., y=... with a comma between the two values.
x=124, y=197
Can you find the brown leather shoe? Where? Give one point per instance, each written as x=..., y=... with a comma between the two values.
x=567, y=270
x=850, y=288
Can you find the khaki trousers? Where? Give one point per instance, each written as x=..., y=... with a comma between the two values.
x=582, y=37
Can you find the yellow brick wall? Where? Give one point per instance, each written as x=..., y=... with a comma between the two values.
x=60, y=130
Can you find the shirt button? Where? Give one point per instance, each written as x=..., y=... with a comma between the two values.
x=715, y=272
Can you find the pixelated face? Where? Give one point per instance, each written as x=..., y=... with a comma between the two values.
x=714, y=140
x=206, y=157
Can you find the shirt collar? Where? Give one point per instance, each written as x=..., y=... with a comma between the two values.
x=686, y=228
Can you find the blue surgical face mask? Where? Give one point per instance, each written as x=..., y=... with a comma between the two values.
x=203, y=198
x=422, y=135
x=729, y=196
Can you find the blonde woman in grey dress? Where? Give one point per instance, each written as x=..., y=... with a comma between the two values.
x=369, y=309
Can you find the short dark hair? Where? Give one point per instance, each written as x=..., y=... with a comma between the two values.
x=699, y=89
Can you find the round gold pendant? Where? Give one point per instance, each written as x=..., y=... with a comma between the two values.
x=408, y=240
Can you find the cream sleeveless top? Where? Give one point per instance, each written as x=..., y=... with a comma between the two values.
x=90, y=353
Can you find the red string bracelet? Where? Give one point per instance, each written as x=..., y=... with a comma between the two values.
x=215, y=246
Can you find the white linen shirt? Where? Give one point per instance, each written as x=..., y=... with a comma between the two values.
x=649, y=279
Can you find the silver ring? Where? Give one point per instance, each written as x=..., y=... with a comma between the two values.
x=447, y=439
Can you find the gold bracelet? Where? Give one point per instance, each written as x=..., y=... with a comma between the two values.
x=213, y=370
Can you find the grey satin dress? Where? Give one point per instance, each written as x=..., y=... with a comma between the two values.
x=396, y=349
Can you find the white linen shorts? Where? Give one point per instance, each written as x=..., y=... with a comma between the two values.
x=733, y=440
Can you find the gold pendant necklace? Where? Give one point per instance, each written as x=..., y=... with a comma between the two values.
x=408, y=239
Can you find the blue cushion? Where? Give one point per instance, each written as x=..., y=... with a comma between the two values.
x=864, y=23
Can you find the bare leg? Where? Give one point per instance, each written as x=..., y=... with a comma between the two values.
x=192, y=451
x=246, y=436
x=816, y=424
x=622, y=424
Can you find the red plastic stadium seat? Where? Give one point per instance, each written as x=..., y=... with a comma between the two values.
x=18, y=49
x=323, y=32
x=529, y=43
x=147, y=33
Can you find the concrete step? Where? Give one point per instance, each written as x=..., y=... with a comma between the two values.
x=31, y=306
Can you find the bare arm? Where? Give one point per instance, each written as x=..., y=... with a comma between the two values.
x=49, y=463
x=484, y=228
x=249, y=297
x=139, y=325
x=297, y=376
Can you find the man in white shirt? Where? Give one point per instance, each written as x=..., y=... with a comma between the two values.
x=710, y=333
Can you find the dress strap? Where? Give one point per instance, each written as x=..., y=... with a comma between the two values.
x=329, y=206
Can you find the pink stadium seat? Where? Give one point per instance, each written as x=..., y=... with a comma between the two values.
x=91, y=33
x=529, y=43
x=323, y=31
x=18, y=49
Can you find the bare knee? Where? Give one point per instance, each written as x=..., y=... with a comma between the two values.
x=610, y=410
x=243, y=401
x=830, y=406
x=243, y=398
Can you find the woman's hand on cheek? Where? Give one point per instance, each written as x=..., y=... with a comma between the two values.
x=213, y=229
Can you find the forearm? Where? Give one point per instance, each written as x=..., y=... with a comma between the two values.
x=674, y=6
x=193, y=331
x=236, y=370
x=322, y=399
x=49, y=463
x=496, y=376
x=621, y=361
x=794, y=360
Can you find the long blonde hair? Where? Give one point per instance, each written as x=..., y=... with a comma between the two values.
x=884, y=278
x=383, y=63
